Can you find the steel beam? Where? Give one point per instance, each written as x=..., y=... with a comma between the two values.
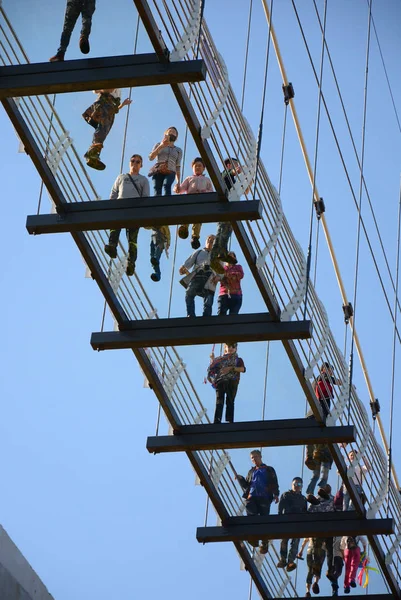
x=275, y=527
x=184, y=331
x=354, y=597
x=133, y=70
x=142, y=212
x=249, y=434
x=265, y=289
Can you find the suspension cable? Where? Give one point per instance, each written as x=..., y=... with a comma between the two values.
x=326, y=231
x=319, y=104
x=246, y=55
x=262, y=110
x=376, y=225
x=358, y=236
x=393, y=361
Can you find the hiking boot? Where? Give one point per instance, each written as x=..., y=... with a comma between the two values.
x=352, y=583
x=281, y=563
x=92, y=157
x=311, y=463
x=156, y=276
x=195, y=243
x=84, y=44
x=291, y=566
x=111, y=250
x=130, y=270
x=58, y=57
x=264, y=547
x=183, y=232
x=315, y=588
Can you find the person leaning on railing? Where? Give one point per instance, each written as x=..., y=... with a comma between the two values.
x=260, y=489
x=197, y=183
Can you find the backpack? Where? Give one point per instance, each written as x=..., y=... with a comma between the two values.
x=351, y=543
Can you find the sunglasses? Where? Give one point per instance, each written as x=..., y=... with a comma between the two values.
x=135, y=160
x=298, y=483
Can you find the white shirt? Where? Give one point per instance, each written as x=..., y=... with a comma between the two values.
x=115, y=93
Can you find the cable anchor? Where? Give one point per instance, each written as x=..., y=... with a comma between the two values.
x=288, y=92
x=320, y=207
x=375, y=408
x=348, y=312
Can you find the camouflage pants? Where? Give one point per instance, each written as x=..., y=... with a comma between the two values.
x=74, y=8
x=224, y=231
x=314, y=560
x=101, y=115
x=132, y=237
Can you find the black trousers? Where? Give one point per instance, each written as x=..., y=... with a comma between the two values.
x=225, y=390
x=257, y=506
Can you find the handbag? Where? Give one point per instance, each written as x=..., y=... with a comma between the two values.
x=161, y=168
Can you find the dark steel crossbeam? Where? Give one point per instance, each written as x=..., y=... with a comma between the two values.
x=142, y=212
x=249, y=434
x=279, y=527
x=214, y=169
x=133, y=70
x=354, y=597
x=184, y=331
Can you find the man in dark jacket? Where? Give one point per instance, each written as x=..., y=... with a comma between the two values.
x=291, y=502
x=260, y=489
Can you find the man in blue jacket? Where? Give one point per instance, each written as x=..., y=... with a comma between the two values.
x=260, y=489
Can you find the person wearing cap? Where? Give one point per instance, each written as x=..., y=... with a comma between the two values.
x=224, y=373
x=291, y=502
x=260, y=489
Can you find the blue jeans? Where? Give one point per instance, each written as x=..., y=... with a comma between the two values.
x=232, y=304
x=323, y=471
x=347, y=502
x=197, y=288
x=163, y=182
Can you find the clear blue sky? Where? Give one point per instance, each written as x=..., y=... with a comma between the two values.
x=95, y=514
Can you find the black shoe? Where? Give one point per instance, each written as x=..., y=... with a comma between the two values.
x=347, y=590
x=58, y=57
x=308, y=595
x=183, y=232
x=352, y=584
x=130, y=270
x=195, y=243
x=315, y=588
x=291, y=566
x=84, y=44
x=281, y=564
x=111, y=250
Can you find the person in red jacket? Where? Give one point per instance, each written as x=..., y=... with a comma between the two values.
x=230, y=295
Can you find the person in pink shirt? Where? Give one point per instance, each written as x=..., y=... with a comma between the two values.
x=230, y=295
x=197, y=183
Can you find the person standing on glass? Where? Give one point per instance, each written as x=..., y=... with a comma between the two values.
x=230, y=295
x=168, y=164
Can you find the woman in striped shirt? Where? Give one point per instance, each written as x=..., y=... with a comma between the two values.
x=168, y=164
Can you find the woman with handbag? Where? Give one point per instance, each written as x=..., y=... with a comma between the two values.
x=168, y=163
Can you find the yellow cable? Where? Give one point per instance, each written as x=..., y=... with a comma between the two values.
x=327, y=233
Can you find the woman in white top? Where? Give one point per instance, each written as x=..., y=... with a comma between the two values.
x=101, y=115
x=357, y=479
x=168, y=163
